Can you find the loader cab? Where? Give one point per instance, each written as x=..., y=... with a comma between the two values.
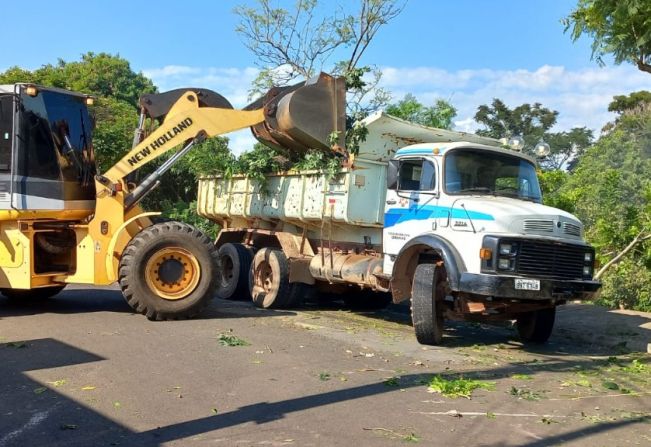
x=46, y=154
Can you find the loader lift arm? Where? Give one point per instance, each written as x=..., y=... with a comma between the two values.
x=307, y=114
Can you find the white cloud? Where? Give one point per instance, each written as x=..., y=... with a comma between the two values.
x=581, y=96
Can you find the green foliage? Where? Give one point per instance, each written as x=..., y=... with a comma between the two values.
x=628, y=285
x=231, y=340
x=619, y=28
x=258, y=162
x=551, y=184
x=100, y=74
x=187, y=212
x=457, y=387
x=319, y=161
x=610, y=190
x=440, y=115
x=115, y=121
x=626, y=103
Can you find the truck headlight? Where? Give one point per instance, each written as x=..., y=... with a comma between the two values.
x=587, y=271
x=505, y=264
x=505, y=249
x=587, y=257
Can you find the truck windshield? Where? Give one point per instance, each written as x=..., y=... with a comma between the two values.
x=485, y=172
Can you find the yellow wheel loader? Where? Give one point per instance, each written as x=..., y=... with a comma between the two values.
x=62, y=222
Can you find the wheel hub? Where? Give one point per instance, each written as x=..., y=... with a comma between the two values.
x=172, y=273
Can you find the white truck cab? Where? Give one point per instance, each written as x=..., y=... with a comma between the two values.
x=479, y=209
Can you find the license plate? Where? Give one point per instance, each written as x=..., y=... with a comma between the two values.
x=527, y=284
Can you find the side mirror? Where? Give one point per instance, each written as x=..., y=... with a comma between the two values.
x=392, y=174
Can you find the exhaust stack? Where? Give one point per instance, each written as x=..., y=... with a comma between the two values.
x=304, y=115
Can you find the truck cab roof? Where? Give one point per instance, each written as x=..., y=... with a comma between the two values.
x=438, y=149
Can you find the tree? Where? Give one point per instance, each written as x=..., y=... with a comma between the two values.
x=620, y=28
x=566, y=147
x=533, y=122
x=625, y=103
x=529, y=121
x=293, y=44
x=610, y=191
x=440, y=115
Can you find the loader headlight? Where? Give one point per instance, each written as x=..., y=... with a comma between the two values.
x=31, y=90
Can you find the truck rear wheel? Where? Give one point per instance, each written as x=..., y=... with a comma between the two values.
x=235, y=261
x=169, y=271
x=40, y=293
x=536, y=326
x=269, y=279
x=426, y=312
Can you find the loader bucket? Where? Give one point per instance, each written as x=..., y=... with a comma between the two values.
x=304, y=116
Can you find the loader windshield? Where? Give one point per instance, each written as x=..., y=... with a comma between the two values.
x=55, y=129
x=476, y=171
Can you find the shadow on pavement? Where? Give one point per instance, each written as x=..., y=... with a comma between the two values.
x=86, y=300
x=34, y=415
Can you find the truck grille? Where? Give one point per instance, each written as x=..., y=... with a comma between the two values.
x=571, y=229
x=538, y=226
x=550, y=260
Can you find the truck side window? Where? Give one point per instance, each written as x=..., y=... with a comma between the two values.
x=417, y=175
x=6, y=125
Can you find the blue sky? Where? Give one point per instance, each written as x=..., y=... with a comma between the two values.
x=467, y=51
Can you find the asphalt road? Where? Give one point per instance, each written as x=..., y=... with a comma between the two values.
x=82, y=370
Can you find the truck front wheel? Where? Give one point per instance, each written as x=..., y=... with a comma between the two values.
x=426, y=311
x=169, y=271
x=536, y=326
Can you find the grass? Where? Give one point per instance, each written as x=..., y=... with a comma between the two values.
x=392, y=381
x=232, y=340
x=457, y=387
x=324, y=376
x=523, y=393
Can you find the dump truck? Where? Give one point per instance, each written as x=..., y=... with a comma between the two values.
x=63, y=222
x=452, y=221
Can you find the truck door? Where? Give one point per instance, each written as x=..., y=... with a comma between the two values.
x=411, y=206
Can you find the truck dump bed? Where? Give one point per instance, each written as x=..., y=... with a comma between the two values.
x=302, y=198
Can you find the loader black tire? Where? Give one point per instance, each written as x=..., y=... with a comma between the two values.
x=426, y=311
x=536, y=327
x=169, y=271
x=38, y=294
x=269, y=279
x=235, y=261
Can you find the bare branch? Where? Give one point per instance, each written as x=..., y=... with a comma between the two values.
x=641, y=237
